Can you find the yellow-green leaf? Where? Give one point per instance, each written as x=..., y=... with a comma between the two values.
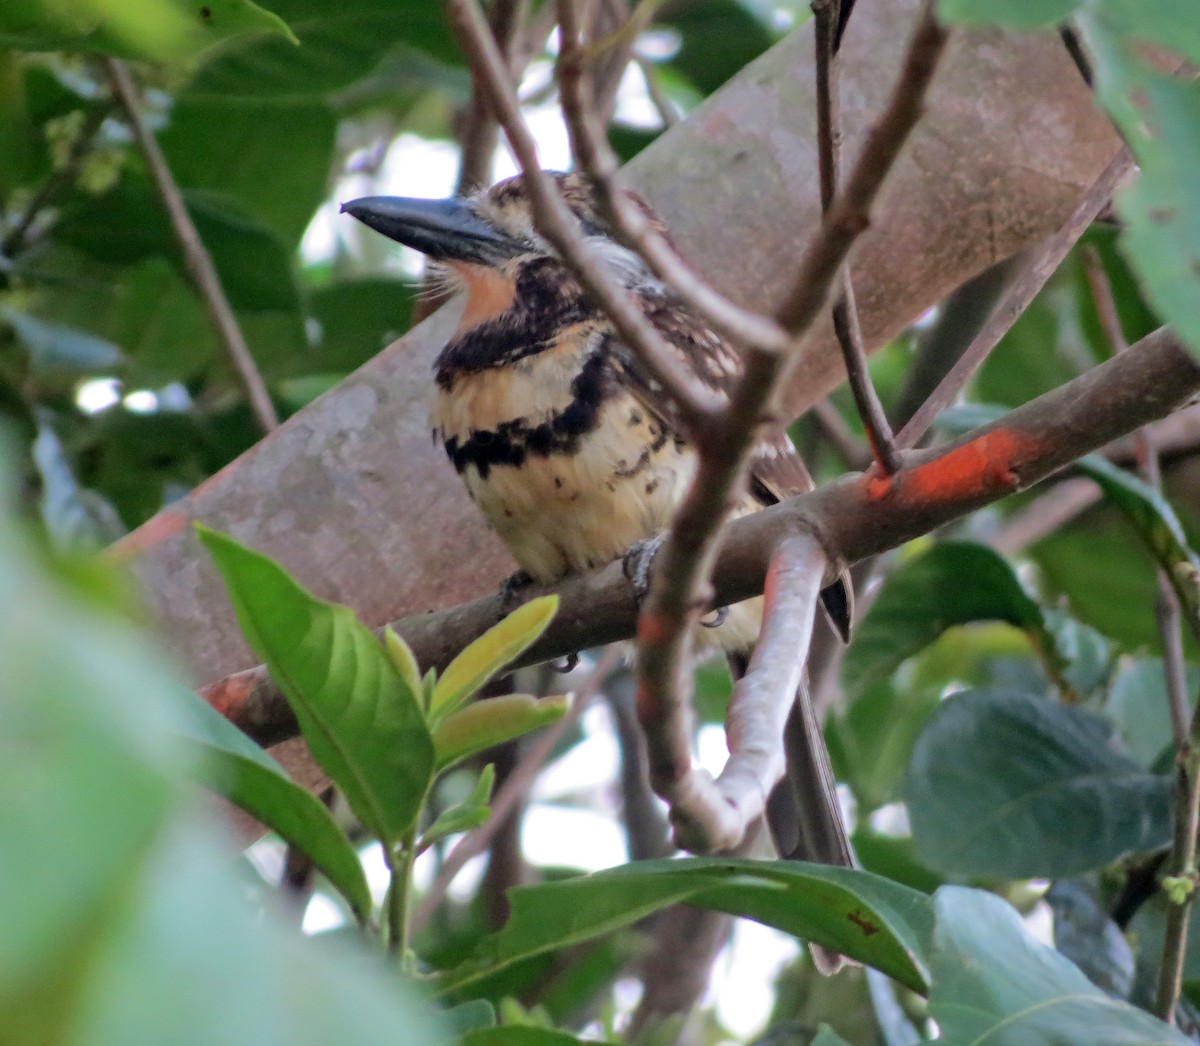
x=406, y=663
x=491, y=652
x=491, y=722
x=173, y=31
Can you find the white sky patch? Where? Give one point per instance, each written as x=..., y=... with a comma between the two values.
x=742, y=987
x=572, y=837
x=141, y=401
x=98, y=394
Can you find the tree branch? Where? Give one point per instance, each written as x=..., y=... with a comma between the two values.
x=846, y=326
x=195, y=255
x=855, y=517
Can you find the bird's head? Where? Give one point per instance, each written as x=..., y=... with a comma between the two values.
x=485, y=243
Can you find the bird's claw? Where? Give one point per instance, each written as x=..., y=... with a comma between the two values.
x=566, y=665
x=716, y=619
x=637, y=561
x=511, y=588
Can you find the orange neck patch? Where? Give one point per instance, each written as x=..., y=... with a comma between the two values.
x=489, y=294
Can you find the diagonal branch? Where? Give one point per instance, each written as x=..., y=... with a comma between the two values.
x=1026, y=287
x=195, y=255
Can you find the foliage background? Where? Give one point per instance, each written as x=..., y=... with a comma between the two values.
x=117, y=399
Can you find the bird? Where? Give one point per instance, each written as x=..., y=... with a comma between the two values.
x=571, y=450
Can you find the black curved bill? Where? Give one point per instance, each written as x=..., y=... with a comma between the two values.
x=447, y=230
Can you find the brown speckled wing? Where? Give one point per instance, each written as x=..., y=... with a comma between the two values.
x=777, y=472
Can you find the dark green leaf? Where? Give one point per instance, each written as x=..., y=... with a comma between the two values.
x=952, y=584
x=859, y=914
x=1138, y=705
x=364, y=726
x=128, y=225
x=233, y=765
x=274, y=159
x=870, y=740
x=339, y=43
x=1158, y=527
x=1085, y=933
x=1009, y=784
x=993, y=983
x=518, y=1035
x=826, y=1036
x=358, y=318
x=717, y=38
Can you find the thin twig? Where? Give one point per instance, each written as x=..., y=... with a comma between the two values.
x=695, y=403
x=658, y=98
x=1167, y=612
x=195, y=255
x=1181, y=893
x=840, y=436
x=1018, y=298
x=479, y=133
x=513, y=791
x=628, y=222
x=61, y=180
x=826, y=17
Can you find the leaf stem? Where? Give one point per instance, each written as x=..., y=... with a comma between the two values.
x=399, y=900
x=1182, y=866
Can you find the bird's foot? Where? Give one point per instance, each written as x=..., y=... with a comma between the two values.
x=716, y=619
x=638, y=560
x=511, y=588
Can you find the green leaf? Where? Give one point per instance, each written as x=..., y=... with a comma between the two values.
x=406, y=663
x=1008, y=784
x=128, y=225
x=1138, y=705
x=364, y=726
x=491, y=722
x=717, y=39
x=1158, y=114
x=861, y=915
x=233, y=147
x=871, y=739
x=464, y=816
x=60, y=355
x=339, y=44
x=483, y=658
x=153, y=30
x=357, y=318
x=1156, y=524
x=1086, y=934
x=235, y=767
x=954, y=583
x=1012, y=14
x=993, y=983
